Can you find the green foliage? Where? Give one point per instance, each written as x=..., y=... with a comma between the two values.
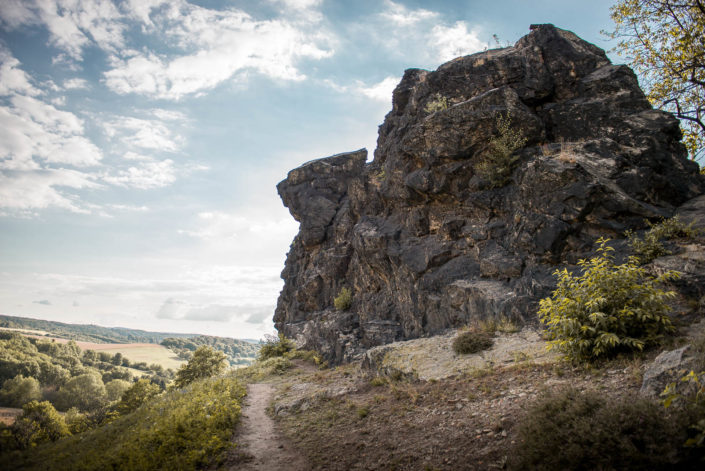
x=76, y=421
x=275, y=347
x=663, y=40
x=238, y=352
x=691, y=394
x=19, y=390
x=116, y=388
x=437, y=103
x=204, y=363
x=85, y=392
x=183, y=429
x=472, y=341
x=497, y=163
x=38, y=423
x=608, y=309
x=343, y=301
x=584, y=431
x=136, y=395
x=650, y=247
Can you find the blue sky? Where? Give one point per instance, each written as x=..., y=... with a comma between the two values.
x=141, y=140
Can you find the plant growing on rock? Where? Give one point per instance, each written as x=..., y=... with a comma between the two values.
x=607, y=309
x=343, y=301
x=497, y=163
x=650, y=246
x=438, y=103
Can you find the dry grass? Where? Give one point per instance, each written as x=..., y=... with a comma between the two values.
x=138, y=352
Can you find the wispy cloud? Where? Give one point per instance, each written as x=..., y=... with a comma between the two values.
x=215, y=46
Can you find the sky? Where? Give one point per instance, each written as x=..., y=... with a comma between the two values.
x=141, y=141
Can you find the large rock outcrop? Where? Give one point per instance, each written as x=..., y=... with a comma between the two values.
x=425, y=244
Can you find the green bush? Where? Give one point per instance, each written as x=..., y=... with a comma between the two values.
x=275, y=347
x=183, y=429
x=204, y=363
x=472, y=341
x=650, y=246
x=19, y=390
x=38, y=423
x=585, y=431
x=497, y=163
x=343, y=301
x=608, y=309
x=437, y=103
x=689, y=393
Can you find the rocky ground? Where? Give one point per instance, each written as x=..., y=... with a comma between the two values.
x=351, y=417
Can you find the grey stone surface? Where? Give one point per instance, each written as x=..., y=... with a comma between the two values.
x=420, y=239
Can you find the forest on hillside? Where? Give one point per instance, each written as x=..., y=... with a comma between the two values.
x=86, y=332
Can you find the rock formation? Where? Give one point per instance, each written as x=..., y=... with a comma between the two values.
x=425, y=243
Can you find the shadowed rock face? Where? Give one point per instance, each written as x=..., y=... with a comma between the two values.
x=420, y=238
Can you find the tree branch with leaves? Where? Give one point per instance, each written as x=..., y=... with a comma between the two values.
x=664, y=41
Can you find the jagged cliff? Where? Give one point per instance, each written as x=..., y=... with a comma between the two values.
x=425, y=243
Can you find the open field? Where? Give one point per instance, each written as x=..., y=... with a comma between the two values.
x=9, y=414
x=138, y=352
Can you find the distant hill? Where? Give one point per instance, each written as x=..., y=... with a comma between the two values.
x=88, y=332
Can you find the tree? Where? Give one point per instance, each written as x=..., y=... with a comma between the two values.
x=665, y=42
x=19, y=390
x=204, y=363
x=117, y=359
x=85, y=391
x=136, y=395
x=116, y=388
x=38, y=423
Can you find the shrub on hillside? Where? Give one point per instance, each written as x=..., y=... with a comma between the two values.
x=275, y=347
x=607, y=309
x=19, y=390
x=136, y=395
x=649, y=247
x=472, y=341
x=497, y=163
x=204, y=363
x=343, y=301
x=584, y=431
x=38, y=423
x=184, y=429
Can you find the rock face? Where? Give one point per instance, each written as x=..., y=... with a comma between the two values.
x=423, y=241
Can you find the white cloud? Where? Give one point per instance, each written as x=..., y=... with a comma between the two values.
x=381, y=91
x=32, y=129
x=72, y=24
x=453, y=41
x=402, y=16
x=23, y=191
x=14, y=80
x=76, y=84
x=143, y=133
x=144, y=176
x=216, y=46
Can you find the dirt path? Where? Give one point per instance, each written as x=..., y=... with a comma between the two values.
x=260, y=447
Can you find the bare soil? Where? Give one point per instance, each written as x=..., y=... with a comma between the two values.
x=460, y=423
x=259, y=445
